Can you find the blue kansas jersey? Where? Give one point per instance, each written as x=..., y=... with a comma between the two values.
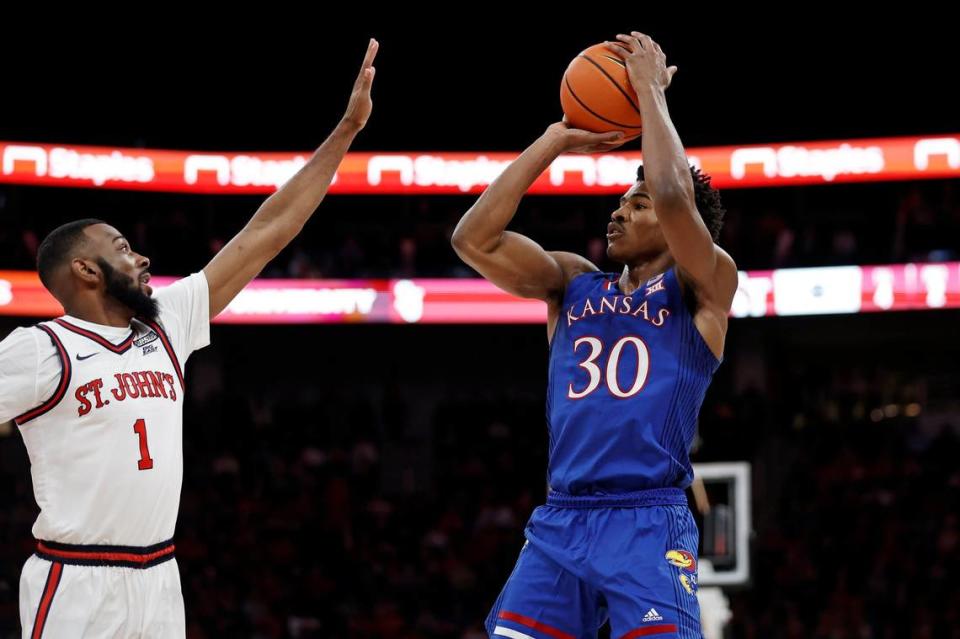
x=628, y=374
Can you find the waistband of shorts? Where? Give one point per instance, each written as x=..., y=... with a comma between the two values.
x=651, y=497
x=119, y=556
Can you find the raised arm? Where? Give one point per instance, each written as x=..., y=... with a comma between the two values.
x=510, y=260
x=281, y=217
x=667, y=176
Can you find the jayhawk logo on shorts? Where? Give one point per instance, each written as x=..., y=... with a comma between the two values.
x=687, y=564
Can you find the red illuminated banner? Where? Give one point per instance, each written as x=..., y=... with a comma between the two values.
x=825, y=162
x=808, y=291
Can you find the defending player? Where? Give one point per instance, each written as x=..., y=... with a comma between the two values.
x=98, y=398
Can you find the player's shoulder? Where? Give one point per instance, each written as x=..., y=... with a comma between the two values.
x=573, y=265
x=180, y=298
x=726, y=279
x=22, y=337
x=721, y=286
x=24, y=346
x=192, y=284
x=726, y=266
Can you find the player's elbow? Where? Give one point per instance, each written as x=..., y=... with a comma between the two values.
x=459, y=240
x=461, y=245
x=282, y=235
x=270, y=237
x=465, y=244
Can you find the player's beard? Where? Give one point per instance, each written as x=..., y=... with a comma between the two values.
x=127, y=291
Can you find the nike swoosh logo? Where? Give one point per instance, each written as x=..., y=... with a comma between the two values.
x=80, y=359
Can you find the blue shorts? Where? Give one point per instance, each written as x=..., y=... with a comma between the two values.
x=631, y=558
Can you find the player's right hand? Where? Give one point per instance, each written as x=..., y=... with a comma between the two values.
x=580, y=141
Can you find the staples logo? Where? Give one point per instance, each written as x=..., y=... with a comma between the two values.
x=607, y=170
x=380, y=164
x=430, y=170
x=765, y=156
x=947, y=147
x=581, y=164
x=194, y=164
x=246, y=170
x=242, y=170
x=18, y=153
x=100, y=168
x=793, y=161
x=66, y=163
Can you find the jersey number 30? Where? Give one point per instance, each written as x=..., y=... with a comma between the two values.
x=613, y=360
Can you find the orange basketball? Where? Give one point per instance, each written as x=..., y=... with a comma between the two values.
x=596, y=94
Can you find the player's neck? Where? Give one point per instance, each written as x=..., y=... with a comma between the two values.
x=636, y=273
x=100, y=310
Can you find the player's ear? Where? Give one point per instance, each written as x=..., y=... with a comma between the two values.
x=86, y=270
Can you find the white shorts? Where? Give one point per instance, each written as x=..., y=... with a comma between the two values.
x=61, y=597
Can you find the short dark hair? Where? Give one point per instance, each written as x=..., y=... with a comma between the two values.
x=58, y=245
x=706, y=198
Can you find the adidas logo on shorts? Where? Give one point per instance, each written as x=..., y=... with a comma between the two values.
x=652, y=615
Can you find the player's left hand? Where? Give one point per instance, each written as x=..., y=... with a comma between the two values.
x=645, y=60
x=361, y=104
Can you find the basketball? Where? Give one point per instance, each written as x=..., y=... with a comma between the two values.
x=596, y=94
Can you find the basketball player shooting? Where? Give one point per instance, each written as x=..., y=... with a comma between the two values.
x=98, y=398
x=631, y=356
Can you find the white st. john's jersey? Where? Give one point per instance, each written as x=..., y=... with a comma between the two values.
x=100, y=410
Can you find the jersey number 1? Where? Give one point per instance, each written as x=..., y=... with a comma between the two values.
x=145, y=462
